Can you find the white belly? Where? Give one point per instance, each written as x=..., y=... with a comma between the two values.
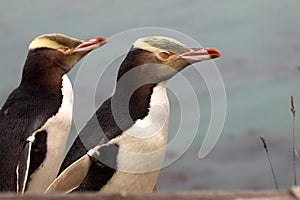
x=142, y=148
x=58, y=128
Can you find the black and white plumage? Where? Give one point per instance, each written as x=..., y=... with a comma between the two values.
x=122, y=147
x=36, y=118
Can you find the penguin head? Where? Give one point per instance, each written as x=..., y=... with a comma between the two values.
x=62, y=50
x=167, y=55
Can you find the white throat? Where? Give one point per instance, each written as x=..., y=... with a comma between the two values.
x=157, y=117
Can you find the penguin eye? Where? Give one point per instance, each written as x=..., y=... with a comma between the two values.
x=64, y=50
x=163, y=55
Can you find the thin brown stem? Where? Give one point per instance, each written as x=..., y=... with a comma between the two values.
x=269, y=160
x=294, y=143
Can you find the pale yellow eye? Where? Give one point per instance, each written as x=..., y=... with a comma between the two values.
x=64, y=50
x=164, y=55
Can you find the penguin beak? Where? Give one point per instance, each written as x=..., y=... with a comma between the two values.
x=90, y=44
x=199, y=54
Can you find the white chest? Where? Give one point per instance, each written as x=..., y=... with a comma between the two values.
x=142, y=148
x=58, y=128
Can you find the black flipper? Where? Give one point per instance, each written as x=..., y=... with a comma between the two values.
x=23, y=166
x=89, y=173
x=34, y=154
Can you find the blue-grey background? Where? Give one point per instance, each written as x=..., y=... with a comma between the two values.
x=260, y=66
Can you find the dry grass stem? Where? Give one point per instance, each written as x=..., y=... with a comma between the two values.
x=269, y=160
x=294, y=144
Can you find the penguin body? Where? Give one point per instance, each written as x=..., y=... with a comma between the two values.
x=36, y=118
x=57, y=130
x=139, y=159
x=123, y=145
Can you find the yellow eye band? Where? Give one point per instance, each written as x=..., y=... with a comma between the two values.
x=44, y=42
x=145, y=46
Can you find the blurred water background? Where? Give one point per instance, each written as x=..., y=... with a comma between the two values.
x=260, y=66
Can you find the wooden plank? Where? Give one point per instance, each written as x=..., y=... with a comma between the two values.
x=292, y=194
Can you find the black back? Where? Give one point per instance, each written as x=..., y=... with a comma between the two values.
x=27, y=108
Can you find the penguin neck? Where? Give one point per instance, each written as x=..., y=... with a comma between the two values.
x=42, y=74
x=135, y=84
x=137, y=102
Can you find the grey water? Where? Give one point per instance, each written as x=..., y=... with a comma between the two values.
x=260, y=67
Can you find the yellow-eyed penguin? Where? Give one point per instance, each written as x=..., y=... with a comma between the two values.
x=36, y=118
x=122, y=146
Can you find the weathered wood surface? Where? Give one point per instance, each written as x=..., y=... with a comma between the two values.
x=292, y=194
